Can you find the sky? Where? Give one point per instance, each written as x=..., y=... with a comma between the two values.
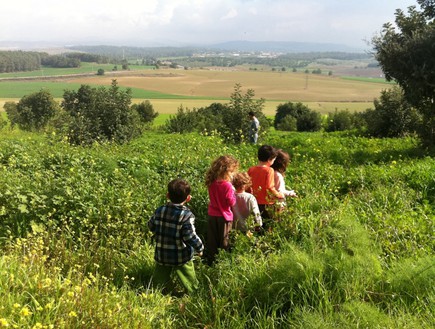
x=144, y=23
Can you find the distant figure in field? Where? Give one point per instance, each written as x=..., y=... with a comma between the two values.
x=254, y=128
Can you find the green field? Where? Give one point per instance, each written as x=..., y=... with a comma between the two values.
x=90, y=68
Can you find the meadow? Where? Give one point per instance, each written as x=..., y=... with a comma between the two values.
x=354, y=250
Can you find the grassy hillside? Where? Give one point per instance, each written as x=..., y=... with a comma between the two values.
x=355, y=249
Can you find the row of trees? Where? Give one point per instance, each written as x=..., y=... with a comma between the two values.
x=392, y=116
x=84, y=116
x=17, y=61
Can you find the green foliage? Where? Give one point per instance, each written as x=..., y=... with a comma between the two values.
x=100, y=114
x=406, y=56
x=146, y=111
x=354, y=249
x=33, y=112
x=392, y=116
x=100, y=72
x=339, y=121
x=230, y=121
x=288, y=123
x=306, y=119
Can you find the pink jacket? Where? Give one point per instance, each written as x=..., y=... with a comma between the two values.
x=222, y=198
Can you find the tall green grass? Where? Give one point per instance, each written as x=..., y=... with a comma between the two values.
x=355, y=249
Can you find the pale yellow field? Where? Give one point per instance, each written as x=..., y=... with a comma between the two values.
x=319, y=92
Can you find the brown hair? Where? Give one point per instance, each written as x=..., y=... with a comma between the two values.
x=178, y=190
x=221, y=168
x=281, y=162
x=241, y=179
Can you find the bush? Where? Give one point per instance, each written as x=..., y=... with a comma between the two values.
x=100, y=114
x=306, y=119
x=392, y=116
x=288, y=123
x=339, y=121
x=146, y=111
x=230, y=121
x=33, y=112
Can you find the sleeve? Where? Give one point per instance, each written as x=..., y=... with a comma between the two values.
x=230, y=195
x=189, y=234
x=151, y=223
x=283, y=189
x=271, y=184
x=253, y=207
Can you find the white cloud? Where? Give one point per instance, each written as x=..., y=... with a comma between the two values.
x=231, y=14
x=195, y=21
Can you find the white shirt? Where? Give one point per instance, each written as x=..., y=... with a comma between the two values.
x=246, y=204
x=280, y=185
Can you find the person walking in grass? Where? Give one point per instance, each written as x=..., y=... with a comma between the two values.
x=254, y=128
x=221, y=199
x=263, y=182
x=280, y=166
x=176, y=240
x=246, y=204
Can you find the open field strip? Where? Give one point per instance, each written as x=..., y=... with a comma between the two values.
x=169, y=89
x=281, y=86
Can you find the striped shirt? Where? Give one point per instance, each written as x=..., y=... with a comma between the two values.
x=174, y=234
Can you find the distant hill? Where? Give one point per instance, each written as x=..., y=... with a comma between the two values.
x=283, y=47
x=234, y=46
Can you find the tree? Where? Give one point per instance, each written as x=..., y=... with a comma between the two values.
x=306, y=119
x=100, y=114
x=406, y=55
x=33, y=112
x=100, y=72
x=146, y=111
x=392, y=116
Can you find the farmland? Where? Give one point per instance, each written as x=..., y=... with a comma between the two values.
x=167, y=89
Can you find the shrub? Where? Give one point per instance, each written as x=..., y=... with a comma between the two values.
x=100, y=114
x=339, y=121
x=33, y=112
x=306, y=119
x=146, y=111
x=230, y=121
x=288, y=123
x=392, y=116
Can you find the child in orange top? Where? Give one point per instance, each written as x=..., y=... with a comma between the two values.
x=263, y=181
x=222, y=198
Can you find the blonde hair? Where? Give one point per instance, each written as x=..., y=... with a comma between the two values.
x=241, y=179
x=221, y=168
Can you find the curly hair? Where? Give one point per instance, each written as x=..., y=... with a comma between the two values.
x=242, y=179
x=221, y=168
x=281, y=162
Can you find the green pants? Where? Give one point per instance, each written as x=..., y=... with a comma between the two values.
x=186, y=274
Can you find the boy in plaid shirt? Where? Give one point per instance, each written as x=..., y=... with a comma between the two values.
x=175, y=237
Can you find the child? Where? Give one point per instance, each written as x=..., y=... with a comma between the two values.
x=246, y=204
x=222, y=198
x=280, y=166
x=263, y=181
x=175, y=237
